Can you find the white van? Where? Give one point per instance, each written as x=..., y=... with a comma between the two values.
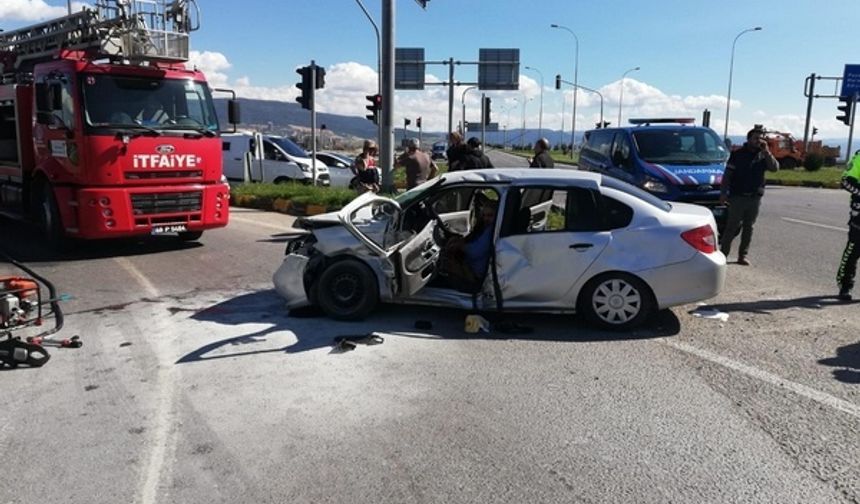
x=252, y=157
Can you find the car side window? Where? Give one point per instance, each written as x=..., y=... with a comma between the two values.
x=600, y=142
x=621, y=151
x=581, y=210
x=615, y=214
x=454, y=200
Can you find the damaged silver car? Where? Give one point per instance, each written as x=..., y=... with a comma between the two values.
x=513, y=240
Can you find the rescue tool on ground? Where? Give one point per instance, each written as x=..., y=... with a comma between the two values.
x=28, y=303
x=104, y=132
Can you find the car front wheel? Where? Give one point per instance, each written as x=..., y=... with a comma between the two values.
x=347, y=290
x=616, y=301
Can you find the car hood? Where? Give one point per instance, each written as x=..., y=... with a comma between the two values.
x=679, y=174
x=318, y=221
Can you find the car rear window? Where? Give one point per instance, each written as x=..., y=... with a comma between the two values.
x=619, y=185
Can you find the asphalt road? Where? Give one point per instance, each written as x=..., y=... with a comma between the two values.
x=195, y=386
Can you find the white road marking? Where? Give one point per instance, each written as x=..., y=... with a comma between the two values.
x=759, y=374
x=277, y=227
x=132, y=270
x=160, y=440
x=825, y=226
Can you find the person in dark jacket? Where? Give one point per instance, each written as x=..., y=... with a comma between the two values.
x=456, y=150
x=474, y=157
x=542, y=158
x=742, y=189
x=848, y=266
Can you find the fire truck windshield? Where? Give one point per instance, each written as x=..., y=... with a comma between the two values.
x=120, y=102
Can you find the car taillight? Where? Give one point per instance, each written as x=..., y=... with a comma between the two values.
x=701, y=238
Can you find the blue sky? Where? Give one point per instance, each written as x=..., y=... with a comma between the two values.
x=683, y=48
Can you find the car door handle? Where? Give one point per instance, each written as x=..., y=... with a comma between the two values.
x=581, y=246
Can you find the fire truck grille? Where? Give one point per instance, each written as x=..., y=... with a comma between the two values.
x=191, y=174
x=163, y=203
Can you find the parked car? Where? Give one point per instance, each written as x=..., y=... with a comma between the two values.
x=564, y=241
x=340, y=168
x=440, y=151
x=279, y=160
x=670, y=158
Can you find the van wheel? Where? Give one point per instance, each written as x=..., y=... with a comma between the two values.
x=188, y=236
x=616, y=301
x=283, y=180
x=347, y=290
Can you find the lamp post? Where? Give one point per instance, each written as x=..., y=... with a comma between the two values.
x=523, y=130
x=621, y=94
x=378, y=63
x=463, y=101
x=731, y=69
x=508, y=120
x=540, y=115
x=575, y=81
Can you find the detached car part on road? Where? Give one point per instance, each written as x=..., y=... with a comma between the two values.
x=563, y=242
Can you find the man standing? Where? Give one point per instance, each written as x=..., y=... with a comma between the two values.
x=542, y=158
x=742, y=189
x=419, y=167
x=456, y=151
x=475, y=159
x=848, y=266
x=366, y=172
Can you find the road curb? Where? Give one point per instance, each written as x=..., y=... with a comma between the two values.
x=804, y=183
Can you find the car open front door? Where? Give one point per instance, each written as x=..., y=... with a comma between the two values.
x=374, y=220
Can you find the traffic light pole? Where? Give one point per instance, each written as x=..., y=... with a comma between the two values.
x=851, y=129
x=313, y=123
x=386, y=137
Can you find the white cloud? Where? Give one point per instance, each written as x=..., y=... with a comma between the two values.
x=348, y=83
x=33, y=10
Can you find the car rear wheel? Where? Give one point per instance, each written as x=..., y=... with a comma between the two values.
x=616, y=301
x=347, y=290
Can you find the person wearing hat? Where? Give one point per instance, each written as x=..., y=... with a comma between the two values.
x=542, y=158
x=366, y=171
x=742, y=188
x=848, y=265
x=419, y=167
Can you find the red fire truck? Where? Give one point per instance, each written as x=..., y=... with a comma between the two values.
x=103, y=131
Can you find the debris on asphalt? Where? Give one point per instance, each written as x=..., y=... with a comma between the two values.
x=710, y=313
x=475, y=323
x=351, y=341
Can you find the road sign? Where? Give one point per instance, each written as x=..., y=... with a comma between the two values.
x=409, y=68
x=476, y=126
x=499, y=69
x=850, y=80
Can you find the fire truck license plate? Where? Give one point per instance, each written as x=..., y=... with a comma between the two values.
x=172, y=228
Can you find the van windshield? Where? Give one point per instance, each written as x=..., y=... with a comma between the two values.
x=682, y=146
x=289, y=147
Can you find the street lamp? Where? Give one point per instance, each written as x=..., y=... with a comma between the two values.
x=463, y=101
x=540, y=116
x=621, y=94
x=731, y=69
x=523, y=130
x=575, y=81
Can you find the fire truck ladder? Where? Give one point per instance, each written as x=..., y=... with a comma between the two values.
x=135, y=30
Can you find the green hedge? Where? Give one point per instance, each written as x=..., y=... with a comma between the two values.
x=299, y=196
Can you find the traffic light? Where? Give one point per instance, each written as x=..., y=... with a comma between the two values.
x=558, y=81
x=706, y=118
x=845, y=108
x=406, y=122
x=486, y=110
x=418, y=123
x=374, y=107
x=814, y=131
x=320, y=77
x=306, y=86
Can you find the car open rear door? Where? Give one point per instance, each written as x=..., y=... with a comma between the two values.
x=417, y=259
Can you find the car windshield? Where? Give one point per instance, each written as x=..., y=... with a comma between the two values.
x=680, y=146
x=414, y=194
x=117, y=102
x=289, y=147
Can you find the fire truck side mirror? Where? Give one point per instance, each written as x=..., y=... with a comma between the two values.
x=233, y=112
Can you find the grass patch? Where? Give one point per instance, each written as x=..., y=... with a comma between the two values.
x=264, y=195
x=827, y=176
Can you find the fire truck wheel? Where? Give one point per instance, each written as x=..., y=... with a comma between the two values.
x=787, y=163
x=49, y=218
x=190, y=235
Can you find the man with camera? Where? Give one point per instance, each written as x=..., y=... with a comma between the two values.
x=742, y=188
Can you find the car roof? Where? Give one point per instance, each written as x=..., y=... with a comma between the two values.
x=520, y=175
